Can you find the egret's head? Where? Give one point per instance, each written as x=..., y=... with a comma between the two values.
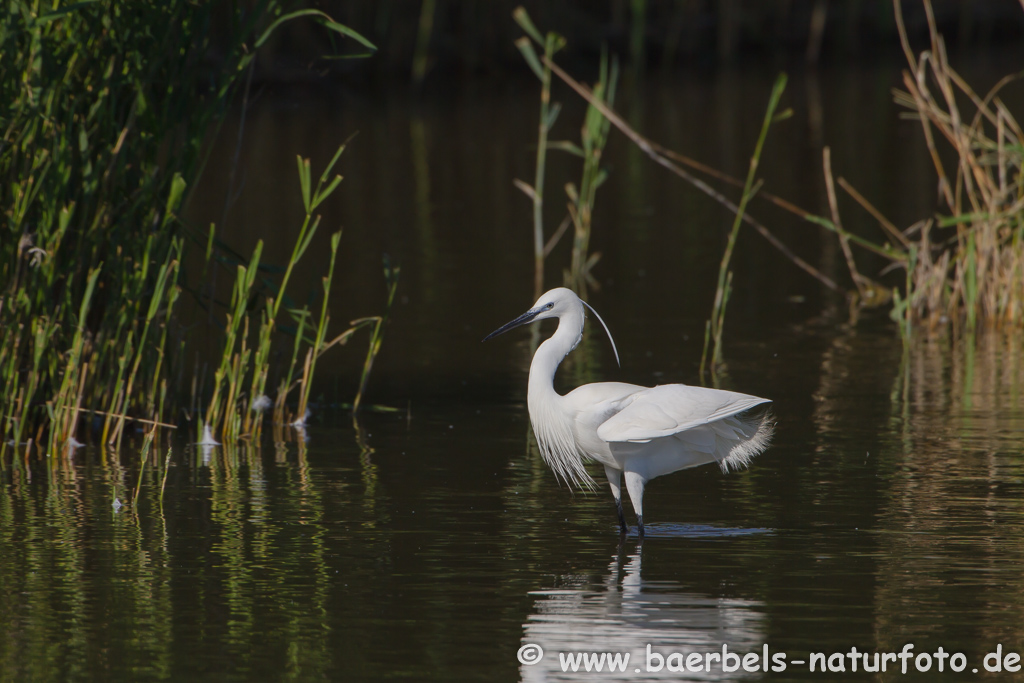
x=552, y=304
x=555, y=303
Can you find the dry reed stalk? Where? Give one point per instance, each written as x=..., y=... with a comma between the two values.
x=128, y=417
x=858, y=280
x=981, y=266
x=656, y=153
x=886, y=224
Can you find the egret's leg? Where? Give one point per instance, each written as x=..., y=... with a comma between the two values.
x=614, y=482
x=635, y=486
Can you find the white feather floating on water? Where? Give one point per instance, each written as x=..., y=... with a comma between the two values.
x=208, y=439
x=261, y=404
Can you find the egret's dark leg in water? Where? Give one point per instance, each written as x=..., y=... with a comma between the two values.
x=622, y=518
x=640, y=526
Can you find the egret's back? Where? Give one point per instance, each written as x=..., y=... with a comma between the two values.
x=730, y=441
x=655, y=431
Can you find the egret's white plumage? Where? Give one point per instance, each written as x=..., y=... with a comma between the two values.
x=641, y=432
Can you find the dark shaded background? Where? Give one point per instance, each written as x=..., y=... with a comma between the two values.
x=473, y=37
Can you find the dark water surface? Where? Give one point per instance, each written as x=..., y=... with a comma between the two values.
x=434, y=544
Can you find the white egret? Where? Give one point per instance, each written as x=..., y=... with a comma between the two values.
x=641, y=432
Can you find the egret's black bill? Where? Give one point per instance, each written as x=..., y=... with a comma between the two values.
x=521, y=320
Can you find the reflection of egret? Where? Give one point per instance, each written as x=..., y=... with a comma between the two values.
x=626, y=614
x=644, y=432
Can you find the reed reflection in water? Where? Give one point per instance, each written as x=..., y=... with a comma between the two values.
x=218, y=571
x=958, y=496
x=888, y=511
x=949, y=469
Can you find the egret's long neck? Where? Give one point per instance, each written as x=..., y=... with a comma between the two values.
x=551, y=352
x=552, y=424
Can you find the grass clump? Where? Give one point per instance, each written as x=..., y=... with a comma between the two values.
x=106, y=109
x=715, y=326
x=969, y=264
x=239, y=384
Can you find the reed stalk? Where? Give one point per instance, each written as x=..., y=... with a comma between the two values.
x=143, y=456
x=377, y=336
x=167, y=271
x=163, y=478
x=95, y=150
x=974, y=272
x=965, y=268
x=716, y=324
x=321, y=331
x=423, y=33
x=674, y=162
x=245, y=276
x=593, y=138
x=549, y=111
x=71, y=385
x=231, y=412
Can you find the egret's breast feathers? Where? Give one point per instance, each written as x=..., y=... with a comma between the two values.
x=559, y=448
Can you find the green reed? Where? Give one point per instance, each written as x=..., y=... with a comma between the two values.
x=377, y=335
x=100, y=133
x=64, y=407
x=143, y=456
x=716, y=324
x=316, y=349
x=593, y=138
x=311, y=199
x=549, y=111
x=238, y=402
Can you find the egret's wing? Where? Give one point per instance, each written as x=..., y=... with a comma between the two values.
x=671, y=409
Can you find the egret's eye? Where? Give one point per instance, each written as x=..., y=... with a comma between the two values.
x=549, y=305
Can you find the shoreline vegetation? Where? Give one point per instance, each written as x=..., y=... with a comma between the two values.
x=964, y=267
x=104, y=132
x=107, y=108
